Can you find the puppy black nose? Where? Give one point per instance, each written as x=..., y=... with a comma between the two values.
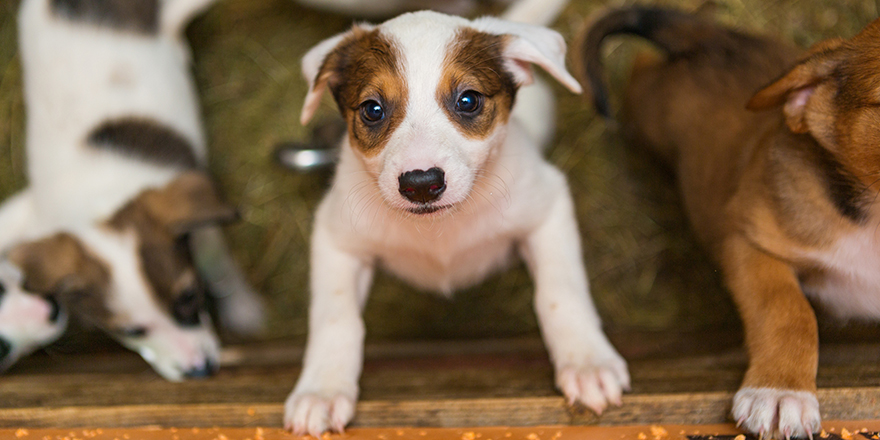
x=201, y=372
x=422, y=186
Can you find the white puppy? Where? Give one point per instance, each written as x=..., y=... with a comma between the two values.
x=117, y=187
x=441, y=181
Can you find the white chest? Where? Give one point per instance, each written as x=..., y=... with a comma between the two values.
x=850, y=287
x=448, y=263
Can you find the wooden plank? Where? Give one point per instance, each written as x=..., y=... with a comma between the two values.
x=699, y=408
x=516, y=375
x=416, y=385
x=852, y=430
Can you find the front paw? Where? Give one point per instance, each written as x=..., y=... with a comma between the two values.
x=594, y=385
x=778, y=413
x=317, y=412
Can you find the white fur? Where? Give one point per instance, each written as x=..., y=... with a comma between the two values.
x=502, y=200
x=78, y=76
x=24, y=318
x=777, y=413
x=849, y=288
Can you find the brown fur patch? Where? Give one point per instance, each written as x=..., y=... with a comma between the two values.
x=144, y=139
x=59, y=265
x=475, y=62
x=161, y=218
x=363, y=67
x=140, y=16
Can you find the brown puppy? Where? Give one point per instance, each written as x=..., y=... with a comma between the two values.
x=781, y=186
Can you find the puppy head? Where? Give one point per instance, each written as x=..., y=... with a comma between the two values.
x=833, y=94
x=134, y=278
x=27, y=321
x=155, y=300
x=427, y=98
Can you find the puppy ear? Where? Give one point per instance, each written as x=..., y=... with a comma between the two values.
x=527, y=45
x=58, y=264
x=795, y=87
x=188, y=202
x=318, y=72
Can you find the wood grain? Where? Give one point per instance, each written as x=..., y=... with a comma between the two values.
x=478, y=383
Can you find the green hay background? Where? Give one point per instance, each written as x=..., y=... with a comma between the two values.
x=645, y=270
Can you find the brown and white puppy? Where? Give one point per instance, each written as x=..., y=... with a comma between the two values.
x=117, y=190
x=780, y=185
x=132, y=275
x=441, y=181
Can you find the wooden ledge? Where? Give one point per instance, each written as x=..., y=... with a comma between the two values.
x=834, y=430
x=450, y=384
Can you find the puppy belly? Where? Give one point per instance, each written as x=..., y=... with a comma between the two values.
x=446, y=272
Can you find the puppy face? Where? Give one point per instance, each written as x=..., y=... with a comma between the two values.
x=833, y=94
x=427, y=98
x=134, y=278
x=27, y=321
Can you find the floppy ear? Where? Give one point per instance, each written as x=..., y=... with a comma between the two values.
x=58, y=264
x=527, y=45
x=318, y=72
x=795, y=88
x=188, y=202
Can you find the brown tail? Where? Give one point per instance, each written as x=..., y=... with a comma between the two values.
x=677, y=33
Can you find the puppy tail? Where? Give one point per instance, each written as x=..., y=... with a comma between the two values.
x=536, y=12
x=675, y=32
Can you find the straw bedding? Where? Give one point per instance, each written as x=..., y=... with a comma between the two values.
x=646, y=271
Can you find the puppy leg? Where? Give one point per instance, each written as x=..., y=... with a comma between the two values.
x=588, y=369
x=778, y=394
x=16, y=213
x=325, y=394
x=240, y=308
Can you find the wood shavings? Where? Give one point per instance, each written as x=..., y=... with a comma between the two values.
x=658, y=432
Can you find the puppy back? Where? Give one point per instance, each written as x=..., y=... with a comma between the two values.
x=678, y=34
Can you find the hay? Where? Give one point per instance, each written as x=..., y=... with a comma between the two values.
x=646, y=271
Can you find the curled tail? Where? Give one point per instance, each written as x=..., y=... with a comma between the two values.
x=537, y=12
x=677, y=33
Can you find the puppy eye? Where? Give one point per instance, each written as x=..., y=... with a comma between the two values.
x=469, y=102
x=5, y=348
x=372, y=112
x=186, y=308
x=2, y=290
x=132, y=332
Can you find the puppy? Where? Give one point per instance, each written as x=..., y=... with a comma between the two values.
x=27, y=321
x=779, y=185
x=117, y=188
x=441, y=182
